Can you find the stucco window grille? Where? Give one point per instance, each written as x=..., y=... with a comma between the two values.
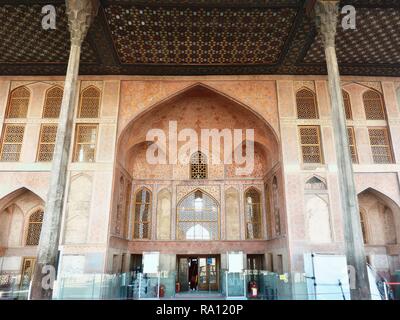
x=306, y=104
x=141, y=228
x=253, y=214
x=347, y=105
x=85, y=143
x=373, y=105
x=89, y=103
x=352, y=144
x=48, y=134
x=198, y=217
x=198, y=166
x=310, y=141
x=275, y=204
x=52, y=104
x=18, y=103
x=11, y=145
x=380, y=145
x=34, y=228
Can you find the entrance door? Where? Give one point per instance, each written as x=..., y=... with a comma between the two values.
x=198, y=273
x=183, y=273
x=26, y=272
x=208, y=274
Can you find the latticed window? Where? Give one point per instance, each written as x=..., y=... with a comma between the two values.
x=347, y=105
x=352, y=144
x=52, y=104
x=34, y=228
x=48, y=134
x=380, y=145
x=373, y=105
x=85, y=143
x=197, y=217
x=275, y=204
x=18, y=103
x=198, y=166
x=141, y=225
x=310, y=141
x=306, y=104
x=90, y=103
x=253, y=214
x=363, y=226
x=11, y=145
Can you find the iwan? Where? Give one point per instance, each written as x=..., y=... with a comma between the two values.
x=173, y=310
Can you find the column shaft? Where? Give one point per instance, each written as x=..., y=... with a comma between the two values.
x=326, y=13
x=80, y=14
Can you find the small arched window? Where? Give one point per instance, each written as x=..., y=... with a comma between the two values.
x=198, y=166
x=315, y=183
x=34, y=228
x=253, y=214
x=306, y=104
x=18, y=103
x=90, y=103
x=141, y=228
x=373, y=105
x=347, y=105
x=52, y=104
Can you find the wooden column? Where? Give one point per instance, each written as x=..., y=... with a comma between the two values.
x=80, y=15
x=326, y=13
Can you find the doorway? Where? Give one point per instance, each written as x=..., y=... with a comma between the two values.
x=198, y=273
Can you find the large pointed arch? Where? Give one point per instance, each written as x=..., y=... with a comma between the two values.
x=127, y=139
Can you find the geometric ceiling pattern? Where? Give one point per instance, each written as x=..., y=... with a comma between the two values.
x=200, y=35
x=375, y=41
x=188, y=37
x=24, y=41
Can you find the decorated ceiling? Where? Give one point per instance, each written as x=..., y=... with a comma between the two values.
x=203, y=37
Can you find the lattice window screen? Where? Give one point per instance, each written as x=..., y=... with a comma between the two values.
x=34, y=228
x=18, y=103
x=141, y=223
x=380, y=145
x=198, y=218
x=306, y=104
x=310, y=141
x=352, y=144
x=198, y=166
x=347, y=105
x=253, y=214
x=275, y=204
x=48, y=134
x=11, y=145
x=52, y=104
x=90, y=103
x=85, y=143
x=373, y=105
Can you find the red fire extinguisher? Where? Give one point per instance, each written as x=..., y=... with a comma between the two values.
x=253, y=289
x=177, y=287
x=161, y=293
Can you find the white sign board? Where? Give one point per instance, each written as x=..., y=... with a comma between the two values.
x=151, y=261
x=327, y=276
x=235, y=261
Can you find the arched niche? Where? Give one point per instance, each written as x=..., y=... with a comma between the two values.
x=164, y=215
x=232, y=212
